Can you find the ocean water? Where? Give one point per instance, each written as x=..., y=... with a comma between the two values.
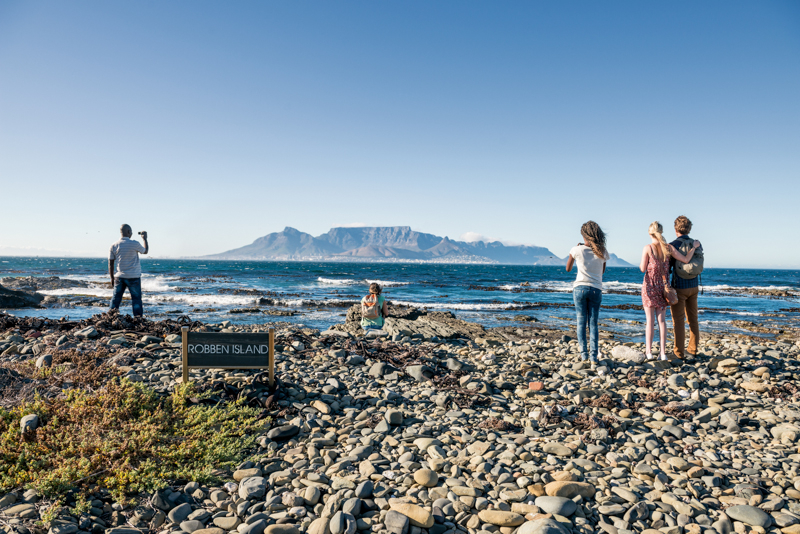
x=320, y=293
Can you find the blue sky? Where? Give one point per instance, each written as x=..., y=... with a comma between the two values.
x=210, y=124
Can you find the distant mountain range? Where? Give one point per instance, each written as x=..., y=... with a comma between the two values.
x=389, y=243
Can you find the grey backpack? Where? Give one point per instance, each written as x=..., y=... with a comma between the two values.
x=690, y=270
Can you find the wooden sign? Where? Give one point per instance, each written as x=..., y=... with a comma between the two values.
x=205, y=350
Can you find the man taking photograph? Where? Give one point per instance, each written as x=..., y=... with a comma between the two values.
x=124, y=254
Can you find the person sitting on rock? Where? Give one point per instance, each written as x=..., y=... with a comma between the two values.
x=373, y=308
x=124, y=254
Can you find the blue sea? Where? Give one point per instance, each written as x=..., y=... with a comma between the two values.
x=320, y=293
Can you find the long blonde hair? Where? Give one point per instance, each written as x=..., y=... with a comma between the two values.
x=595, y=238
x=656, y=230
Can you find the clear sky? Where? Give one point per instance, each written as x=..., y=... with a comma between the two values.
x=210, y=124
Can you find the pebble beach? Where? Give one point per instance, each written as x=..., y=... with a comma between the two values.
x=442, y=426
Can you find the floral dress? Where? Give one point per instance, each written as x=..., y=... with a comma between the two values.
x=653, y=286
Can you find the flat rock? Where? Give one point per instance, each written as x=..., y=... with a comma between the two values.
x=227, y=523
x=556, y=505
x=282, y=433
x=542, y=526
x=241, y=474
x=179, y=514
x=570, y=489
x=426, y=477
x=417, y=515
x=749, y=515
x=501, y=518
x=557, y=449
x=252, y=488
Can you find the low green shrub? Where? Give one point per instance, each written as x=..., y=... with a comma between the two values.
x=124, y=437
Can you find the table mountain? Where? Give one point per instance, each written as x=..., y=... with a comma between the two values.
x=387, y=243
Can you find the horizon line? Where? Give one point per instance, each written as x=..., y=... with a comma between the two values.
x=372, y=260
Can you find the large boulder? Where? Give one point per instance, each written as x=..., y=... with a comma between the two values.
x=622, y=352
x=407, y=321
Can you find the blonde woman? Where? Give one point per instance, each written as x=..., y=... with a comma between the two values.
x=587, y=291
x=655, y=266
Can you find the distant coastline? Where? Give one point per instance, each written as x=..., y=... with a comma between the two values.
x=365, y=260
x=390, y=244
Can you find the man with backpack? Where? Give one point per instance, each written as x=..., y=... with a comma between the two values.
x=686, y=281
x=373, y=308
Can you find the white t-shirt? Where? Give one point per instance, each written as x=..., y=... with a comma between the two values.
x=590, y=267
x=125, y=254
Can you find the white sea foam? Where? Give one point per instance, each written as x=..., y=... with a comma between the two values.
x=351, y=282
x=155, y=283
x=551, y=286
x=725, y=287
x=337, y=281
x=91, y=291
x=200, y=300
x=622, y=286
x=566, y=287
x=388, y=283
x=100, y=286
x=458, y=306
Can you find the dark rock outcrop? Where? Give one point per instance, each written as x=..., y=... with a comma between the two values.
x=19, y=299
x=408, y=321
x=32, y=284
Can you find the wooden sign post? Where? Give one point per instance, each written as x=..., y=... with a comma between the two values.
x=204, y=350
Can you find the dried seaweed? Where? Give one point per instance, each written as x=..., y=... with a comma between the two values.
x=603, y=401
x=21, y=382
x=635, y=377
x=550, y=416
x=111, y=320
x=587, y=422
x=493, y=423
x=678, y=409
x=786, y=390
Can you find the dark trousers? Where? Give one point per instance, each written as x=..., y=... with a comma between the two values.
x=134, y=286
x=686, y=308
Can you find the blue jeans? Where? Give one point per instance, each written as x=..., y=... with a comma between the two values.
x=134, y=286
x=587, y=305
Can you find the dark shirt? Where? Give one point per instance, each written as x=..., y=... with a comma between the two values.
x=677, y=281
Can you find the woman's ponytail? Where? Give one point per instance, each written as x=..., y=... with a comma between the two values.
x=657, y=231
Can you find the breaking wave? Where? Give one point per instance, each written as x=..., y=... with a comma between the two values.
x=337, y=281
x=351, y=282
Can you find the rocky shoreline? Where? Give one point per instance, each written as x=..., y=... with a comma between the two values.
x=444, y=428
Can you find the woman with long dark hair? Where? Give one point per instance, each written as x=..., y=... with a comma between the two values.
x=587, y=291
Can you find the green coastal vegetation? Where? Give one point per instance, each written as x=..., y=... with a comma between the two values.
x=110, y=432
